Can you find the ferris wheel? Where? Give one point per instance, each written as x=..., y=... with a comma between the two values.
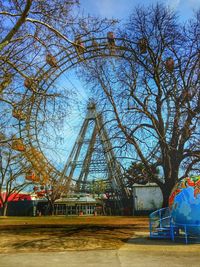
x=27, y=112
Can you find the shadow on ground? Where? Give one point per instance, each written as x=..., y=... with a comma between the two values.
x=77, y=237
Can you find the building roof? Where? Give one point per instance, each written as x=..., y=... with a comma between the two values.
x=77, y=199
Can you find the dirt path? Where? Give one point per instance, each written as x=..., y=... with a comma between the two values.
x=102, y=258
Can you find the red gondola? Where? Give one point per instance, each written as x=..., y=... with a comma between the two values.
x=142, y=45
x=111, y=38
x=111, y=42
x=7, y=79
x=95, y=45
x=80, y=48
x=30, y=175
x=35, y=188
x=18, y=145
x=30, y=84
x=169, y=64
x=18, y=114
x=51, y=60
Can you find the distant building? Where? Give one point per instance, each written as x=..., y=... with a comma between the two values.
x=16, y=197
x=146, y=198
x=77, y=205
x=24, y=204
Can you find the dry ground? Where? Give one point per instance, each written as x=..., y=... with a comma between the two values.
x=33, y=234
x=59, y=234
x=93, y=241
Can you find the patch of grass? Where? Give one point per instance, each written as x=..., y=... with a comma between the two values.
x=65, y=220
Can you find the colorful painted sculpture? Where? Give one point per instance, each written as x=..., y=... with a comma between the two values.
x=184, y=203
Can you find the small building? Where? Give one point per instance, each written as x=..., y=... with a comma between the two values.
x=15, y=197
x=27, y=208
x=146, y=198
x=76, y=205
x=24, y=204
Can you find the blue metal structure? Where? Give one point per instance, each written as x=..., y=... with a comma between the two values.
x=189, y=232
x=162, y=226
x=159, y=223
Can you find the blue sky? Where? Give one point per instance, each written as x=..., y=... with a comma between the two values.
x=122, y=8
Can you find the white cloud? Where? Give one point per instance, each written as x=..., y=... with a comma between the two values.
x=190, y=4
x=121, y=9
x=174, y=4
x=114, y=8
x=194, y=4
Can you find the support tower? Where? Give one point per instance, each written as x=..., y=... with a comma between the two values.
x=92, y=158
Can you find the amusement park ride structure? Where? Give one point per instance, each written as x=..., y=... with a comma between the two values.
x=26, y=139
x=92, y=159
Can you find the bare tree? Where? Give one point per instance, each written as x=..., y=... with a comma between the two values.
x=150, y=87
x=137, y=173
x=12, y=176
x=54, y=189
x=40, y=40
x=30, y=34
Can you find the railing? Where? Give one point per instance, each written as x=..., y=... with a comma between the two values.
x=189, y=232
x=160, y=224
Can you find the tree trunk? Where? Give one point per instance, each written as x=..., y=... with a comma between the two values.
x=52, y=208
x=5, y=207
x=165, y=199
x=166, y=191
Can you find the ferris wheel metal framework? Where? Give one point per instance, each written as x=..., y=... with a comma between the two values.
x=74, y=54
